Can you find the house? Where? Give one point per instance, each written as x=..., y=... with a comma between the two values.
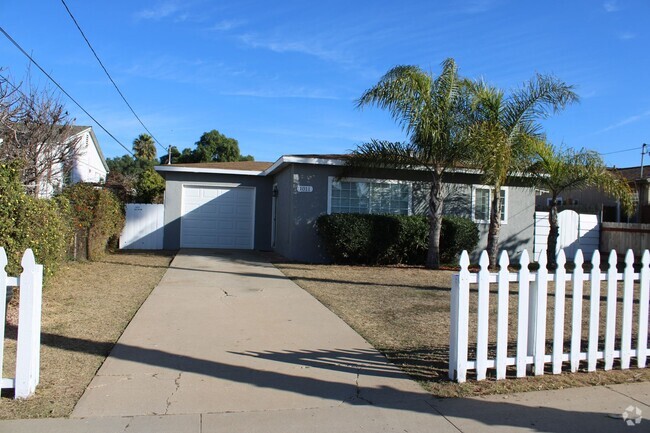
x=273, y=206
x=89, y=165
x=594, y=201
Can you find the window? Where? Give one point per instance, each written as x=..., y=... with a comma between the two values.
x=367, y=196
x=560, y=202
x=482, y=200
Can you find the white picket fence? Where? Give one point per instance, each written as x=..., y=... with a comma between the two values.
x=28, y=355
x=531, y=331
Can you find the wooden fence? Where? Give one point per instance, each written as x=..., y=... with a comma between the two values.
x=528, y=351
x=577, y=231
x=29, y=324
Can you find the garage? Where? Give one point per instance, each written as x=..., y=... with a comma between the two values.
x=217, y=217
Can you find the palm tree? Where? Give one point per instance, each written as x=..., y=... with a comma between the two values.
x=144, y=147
x=430, y=110
x=558, y=170
x=506, y=130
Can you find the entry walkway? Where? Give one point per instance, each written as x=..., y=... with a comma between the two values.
x=226, y=343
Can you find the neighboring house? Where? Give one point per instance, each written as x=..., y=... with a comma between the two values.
x=274, y=206
x=89, y=165
x=593, y=201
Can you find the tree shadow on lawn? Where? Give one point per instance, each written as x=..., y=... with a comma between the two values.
x=363, y=363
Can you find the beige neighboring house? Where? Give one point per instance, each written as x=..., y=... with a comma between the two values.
x=89, y=165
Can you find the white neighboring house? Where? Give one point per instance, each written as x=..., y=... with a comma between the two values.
x=88, y=166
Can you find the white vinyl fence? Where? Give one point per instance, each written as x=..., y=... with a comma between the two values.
x=577, y=231
x=143, y=229
x=531, y=328
x=28, y=355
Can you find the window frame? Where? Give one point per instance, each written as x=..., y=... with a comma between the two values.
x=505, y=194
x=332, y=179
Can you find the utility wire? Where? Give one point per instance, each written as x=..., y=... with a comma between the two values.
x=63, y=90
x=109, y=76
x=621, y=151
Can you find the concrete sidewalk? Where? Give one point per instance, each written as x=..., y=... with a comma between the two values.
x=226, y=343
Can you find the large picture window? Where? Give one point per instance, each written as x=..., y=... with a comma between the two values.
x=369, y=196
x=482, y=200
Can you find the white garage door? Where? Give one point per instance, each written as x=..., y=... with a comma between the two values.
x=217, y=217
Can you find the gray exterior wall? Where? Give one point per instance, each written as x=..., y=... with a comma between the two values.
x=173, y=203
x=297, y=214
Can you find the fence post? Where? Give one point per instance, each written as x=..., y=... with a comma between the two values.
x=29, y=332
x=644, y=298
x=522, y=314
x=576, y=311
x=458, y=336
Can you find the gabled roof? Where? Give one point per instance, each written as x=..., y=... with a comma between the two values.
x=78, y=129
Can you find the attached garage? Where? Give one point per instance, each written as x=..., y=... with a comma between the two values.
x=217, y=217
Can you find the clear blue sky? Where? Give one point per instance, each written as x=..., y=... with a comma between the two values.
x=281, y=77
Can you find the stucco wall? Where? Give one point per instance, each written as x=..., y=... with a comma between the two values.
x=173, y=203
x=297, y=238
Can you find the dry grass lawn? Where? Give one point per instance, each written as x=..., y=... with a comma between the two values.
x=404, y=313
x=86, y=307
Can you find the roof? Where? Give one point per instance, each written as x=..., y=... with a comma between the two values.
x=235, y=165
x=633, y=173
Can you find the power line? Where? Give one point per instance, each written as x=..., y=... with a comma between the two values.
x=109, y=76
x=63, y=90
x=621, y=151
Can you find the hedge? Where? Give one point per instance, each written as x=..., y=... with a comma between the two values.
x=29, y=222
x=392, y=239
x=97, y=215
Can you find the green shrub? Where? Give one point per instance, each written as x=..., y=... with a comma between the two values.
x=391, y=239
x=28, y=222
x=457, y=234
x=97, y=216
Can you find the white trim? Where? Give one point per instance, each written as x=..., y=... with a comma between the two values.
x=177, y=169
x=330, y=181
x=506, y=199
x=216, y=185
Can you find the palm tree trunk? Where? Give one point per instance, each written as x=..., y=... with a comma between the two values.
x=435, y=223
x=553, y=234
x=495, y=227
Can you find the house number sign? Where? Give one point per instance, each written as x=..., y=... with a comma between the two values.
x=305, y=188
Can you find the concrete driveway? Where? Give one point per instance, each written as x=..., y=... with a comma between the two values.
x=226, y=343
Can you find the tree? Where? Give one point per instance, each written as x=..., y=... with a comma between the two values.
x=213, y=146
x=144, y=147
x=431, y=111
x=505, y=131
x=558, y=170
x=36, y=130
x=135, y=180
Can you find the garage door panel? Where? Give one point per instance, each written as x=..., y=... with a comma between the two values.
x=217, y=217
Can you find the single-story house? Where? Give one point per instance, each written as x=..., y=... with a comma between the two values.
x=274, y=206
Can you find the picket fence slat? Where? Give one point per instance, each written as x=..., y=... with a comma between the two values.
x=628, y=298
x=29, y=324
x=610, y=329
x=531, y=335
x=558, y=322
x=644, y=299
x=576, y=314
x=594, y=312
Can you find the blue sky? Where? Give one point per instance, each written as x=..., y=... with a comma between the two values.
x=281, y=77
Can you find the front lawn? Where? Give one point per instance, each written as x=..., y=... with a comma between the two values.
x=86, y=307
x=404, y=313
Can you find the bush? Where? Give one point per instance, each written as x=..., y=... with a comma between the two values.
x=392, y=239
x=97, y=216
x=28, y=222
